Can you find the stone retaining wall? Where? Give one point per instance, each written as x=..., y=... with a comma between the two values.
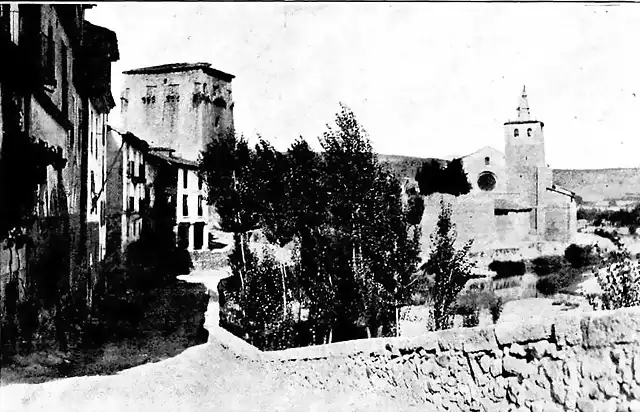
x=583, y=362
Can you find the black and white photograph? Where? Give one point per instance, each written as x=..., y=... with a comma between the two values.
x=320, y=206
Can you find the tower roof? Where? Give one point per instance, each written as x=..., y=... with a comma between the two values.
x=179, y=67
x=524, y=113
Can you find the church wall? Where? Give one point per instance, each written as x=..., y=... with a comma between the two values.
x=513, y=228
x=477, y=163
x=561, y=221
x=473, y=216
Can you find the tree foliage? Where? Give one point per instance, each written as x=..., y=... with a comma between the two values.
x=437, y=176
x=449, y=268
x=355, y=241
x=619, y=281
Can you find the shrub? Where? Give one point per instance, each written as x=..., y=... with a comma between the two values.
x=496, y=307
x=612, y=236
x=505, y=283
x=555, y=283
x=545, y=265
x=578, y=256
x=507, y=269
x=472, y=318
x=619, y=281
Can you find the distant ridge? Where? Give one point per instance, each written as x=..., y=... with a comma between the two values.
x=592, y=185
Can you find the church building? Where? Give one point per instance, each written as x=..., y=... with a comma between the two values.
x=513, y=201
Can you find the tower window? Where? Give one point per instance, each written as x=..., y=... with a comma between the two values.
x=487, y=161
x=529, y=132
x=516, y=133
x=185, y=178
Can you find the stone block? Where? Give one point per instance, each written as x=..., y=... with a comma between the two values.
x=518, y=367
x=611, y=327
x=541, y=348
x=567, y=330
x=468, y=339
x=634, y=405
x=517, y=350
x=426, y=343
x=516, y=332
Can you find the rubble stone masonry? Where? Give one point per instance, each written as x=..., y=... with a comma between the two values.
x=576, y=362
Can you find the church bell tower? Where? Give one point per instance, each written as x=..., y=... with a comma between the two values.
x=528, y=174
x=524, y=137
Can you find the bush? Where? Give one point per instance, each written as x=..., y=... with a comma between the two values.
x=612, y=236
x=496, y=307
x=620, y=283
x=552, y=284
x=578, y=256
x=507, y=269
x=545, y=265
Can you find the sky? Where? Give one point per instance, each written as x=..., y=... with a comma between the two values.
x=424, y=79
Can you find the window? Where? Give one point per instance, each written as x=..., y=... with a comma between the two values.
x=132, y=202
x=65, y=80
x=172, y=94
x=516, y=133
x=217, y=120
x=487, y=161
x=93, y=183
x=73, y=126
x=14, y=22
x=185, y=205
x=204, y=88
x=486, y=181
x=200, y=205
x=49, y=62
x=199, y=182
x=529, y=132
x=150, y=97
x=185, y=178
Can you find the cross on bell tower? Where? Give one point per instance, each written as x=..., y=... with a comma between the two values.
x=524, y=114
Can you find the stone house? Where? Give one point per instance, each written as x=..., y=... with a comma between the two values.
x=129, y=188
x=191, y=211
x=55, y=90
x=141, y=178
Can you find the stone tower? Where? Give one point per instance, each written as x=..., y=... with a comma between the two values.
x=528, y=174
x=181, y=106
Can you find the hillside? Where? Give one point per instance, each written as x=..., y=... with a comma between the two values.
x=405, y=166
x=591, y=184
x=601, y=184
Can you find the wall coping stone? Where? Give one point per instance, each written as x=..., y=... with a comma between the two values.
x=592, y=329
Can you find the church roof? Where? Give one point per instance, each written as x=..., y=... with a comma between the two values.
x=562, y=191
x=482, y=150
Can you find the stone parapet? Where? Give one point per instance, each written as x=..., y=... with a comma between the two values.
x=576, y=362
